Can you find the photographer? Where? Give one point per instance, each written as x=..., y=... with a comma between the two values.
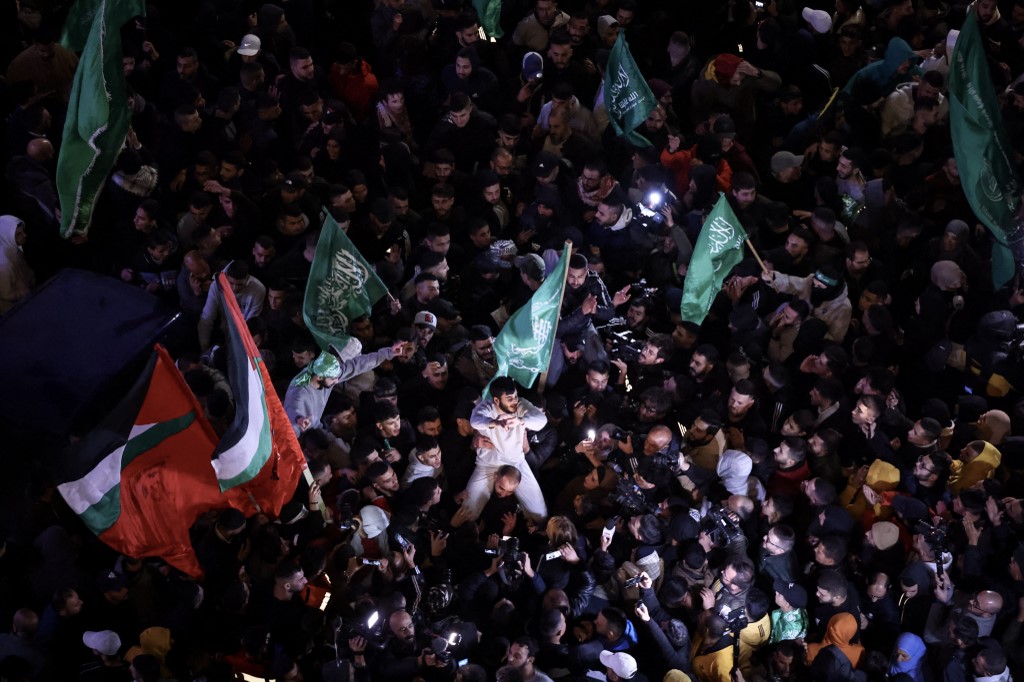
x=406, y=653
x=647, y=370
x=669, y=635
x=585, y=303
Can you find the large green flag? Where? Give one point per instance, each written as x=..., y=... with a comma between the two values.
x=983, y=154
x=341, y=287
x=98, y=116
x=523, y=347
x=628, y=99
x=719, y=249
x=489, y=12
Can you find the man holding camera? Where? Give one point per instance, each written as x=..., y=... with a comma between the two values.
x=503, y=421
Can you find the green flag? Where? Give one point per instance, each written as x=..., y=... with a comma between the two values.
x=489, y=12
x=98, y=116
x=627, y=97
x=523, y=347
x=983, y=156
x=341, y=287
x=719, y=249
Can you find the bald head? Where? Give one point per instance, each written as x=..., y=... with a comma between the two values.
x=658, y=439
x=990, y=602
x=39, y=150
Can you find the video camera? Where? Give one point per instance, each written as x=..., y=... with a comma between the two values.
x=368, y=627
x=632, y=500
x=511, y=561
x=648, y=211
x=622, y=342
x=721, y=526
x=936, y=537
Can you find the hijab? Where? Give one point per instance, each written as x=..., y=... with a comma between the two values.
x=914, y=647
x=842, y=627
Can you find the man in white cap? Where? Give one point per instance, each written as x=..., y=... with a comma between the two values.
x=621, y=666
x=249, y=48
x=105, y=645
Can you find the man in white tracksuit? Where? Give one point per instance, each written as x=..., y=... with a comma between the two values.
x=503, y=420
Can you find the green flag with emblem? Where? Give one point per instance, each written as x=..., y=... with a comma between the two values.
x=628, y=99
x=984, y=157
x=719, y=249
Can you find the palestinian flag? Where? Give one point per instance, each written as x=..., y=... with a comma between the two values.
x=143, y=476
x=258, y=456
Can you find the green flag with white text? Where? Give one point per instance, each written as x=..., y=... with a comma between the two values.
x=98, y=116
x=341, y=287
x=628, y=99
x=489, y=12
x=984, y=157
x=719, y=249
x=523, y=347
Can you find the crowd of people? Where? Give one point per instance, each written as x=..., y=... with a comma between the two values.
x=818, y=482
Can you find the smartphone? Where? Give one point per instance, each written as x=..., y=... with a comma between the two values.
x=371, y=562
x=591, y=434
x=758, y=4
x=739, y=47
x=551, y=556
x=403, y=543
x=639, y=603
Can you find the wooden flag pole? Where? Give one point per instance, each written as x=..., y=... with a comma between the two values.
x=757, y=256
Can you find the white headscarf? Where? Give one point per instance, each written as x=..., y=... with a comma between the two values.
x=16, y=277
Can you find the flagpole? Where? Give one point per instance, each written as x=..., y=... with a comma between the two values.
x=561, y=297
x=764, y=268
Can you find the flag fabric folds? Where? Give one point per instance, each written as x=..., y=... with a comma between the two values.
x=983, y=155
x=98, y=115
x=258, y=454
x=718, y=250
x=523, y=347
x=143, y=476
x=627, y=97
x=489, y=12
x=341, y=287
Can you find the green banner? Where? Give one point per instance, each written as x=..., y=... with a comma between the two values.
x=983, y=154
x=628, y=99
x=341, y=287
x=719, y=249
x=523, y=347
x=489, y=12
x=98, y=116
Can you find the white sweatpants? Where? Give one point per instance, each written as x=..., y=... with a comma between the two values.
x=481, y=485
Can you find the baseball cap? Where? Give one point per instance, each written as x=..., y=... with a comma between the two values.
x=794, y=593
x=533, y=66
x=785, y=160
x=296, y=180
x=545, y=164
x=111, y=581
x=531, y=265
x=375, y=520
x=819, y=20
x=104, y=641
x=425, y=317
x=249, y=46
x=620, y=663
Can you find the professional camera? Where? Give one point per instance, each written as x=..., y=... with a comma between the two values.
x=648, y=211
x=721, y=526
x=622, y=342
x=632, y=500
x=367, y=626
x=444, y=647
x=935, y=536
x=511, y=561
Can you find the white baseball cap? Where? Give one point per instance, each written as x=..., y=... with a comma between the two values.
x=250, y=45
x=104, y=641
x=619, y=663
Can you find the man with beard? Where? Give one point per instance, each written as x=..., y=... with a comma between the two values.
x=705, y=441
x=404, y=654
x=308, y=392
x=475, y=363
x=585, y=303
x=503, y=421
x=826, y=292
x=708, y=380
x=742, y=419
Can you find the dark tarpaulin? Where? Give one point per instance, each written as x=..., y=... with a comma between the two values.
x=68, y=353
